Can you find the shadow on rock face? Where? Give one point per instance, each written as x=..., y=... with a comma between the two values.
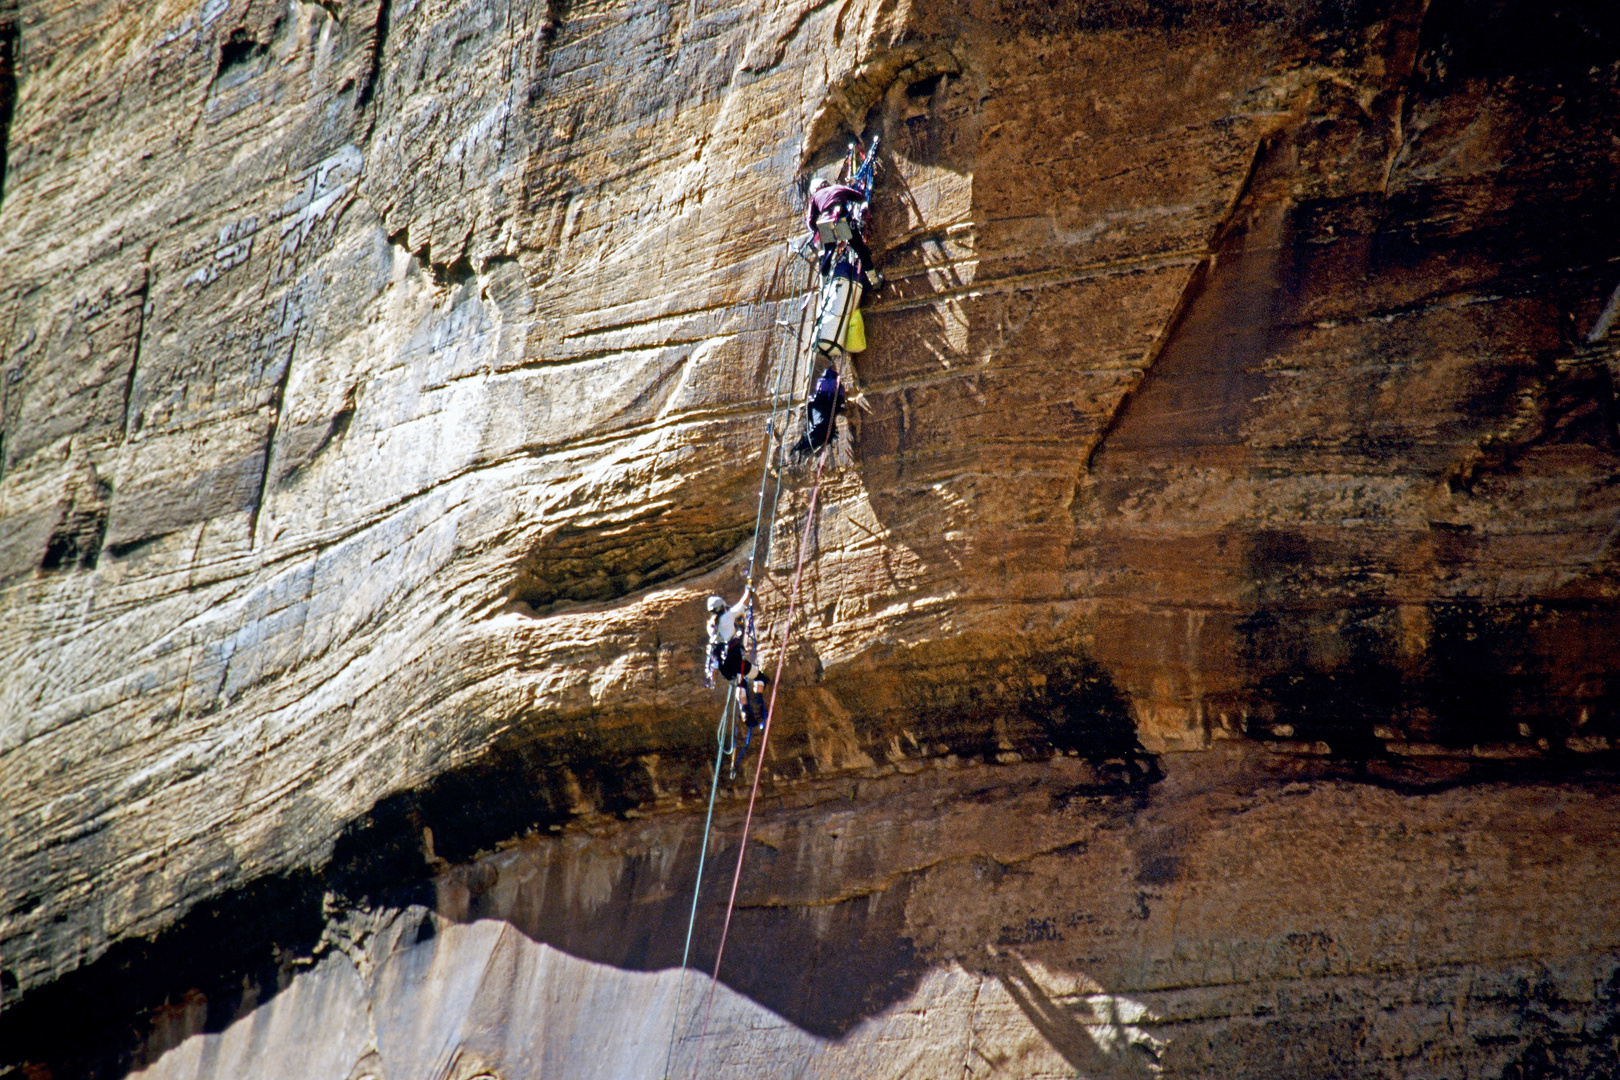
x=582, y=565
x=1072, y=699
x=824, y=968
x=1096, y=1033
x=1031, y=696
x=144, y=996
x=1500, y=679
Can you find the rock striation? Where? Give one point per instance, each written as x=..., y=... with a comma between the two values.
x=1206, y=660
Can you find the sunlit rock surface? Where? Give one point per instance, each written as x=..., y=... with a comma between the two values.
x=484, y=1001
x=385, y=383
x=983, y=921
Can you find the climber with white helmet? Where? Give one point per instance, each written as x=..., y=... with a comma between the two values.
x=726, y=655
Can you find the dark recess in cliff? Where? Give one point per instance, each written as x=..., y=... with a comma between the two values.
x=556, y=14
x=76, y=540
x=8, y=84
x=585, y=565
x=1493, y=39
x=99, y=1022
x=374, y=56
x=226, y=957
x=1493, y=675
x=238, y=51
x=1049, y=697
x=1100, y=15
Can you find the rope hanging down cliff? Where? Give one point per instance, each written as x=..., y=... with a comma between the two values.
x=838, y=220
x=726, y=731
x=691, y=919
x=759, y=762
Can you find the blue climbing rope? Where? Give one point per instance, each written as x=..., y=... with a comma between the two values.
x=703, y=852
x=727, y=729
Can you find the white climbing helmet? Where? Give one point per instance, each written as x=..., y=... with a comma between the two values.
x=717, y=604
x=818, y=183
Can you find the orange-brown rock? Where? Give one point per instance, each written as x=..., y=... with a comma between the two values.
x=1221, y=553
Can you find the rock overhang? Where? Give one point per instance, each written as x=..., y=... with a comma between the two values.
x=1233, y=353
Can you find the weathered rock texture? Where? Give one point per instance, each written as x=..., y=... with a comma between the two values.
x=384, y=385
x=981, y=921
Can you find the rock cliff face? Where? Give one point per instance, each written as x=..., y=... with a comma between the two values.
x=1206, y=659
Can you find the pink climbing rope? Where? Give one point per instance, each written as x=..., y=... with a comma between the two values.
x=759, y=765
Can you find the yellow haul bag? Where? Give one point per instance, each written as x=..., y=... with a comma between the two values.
x=855, y=339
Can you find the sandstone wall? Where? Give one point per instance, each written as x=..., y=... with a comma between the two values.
x=384, y=386
x=981, y=921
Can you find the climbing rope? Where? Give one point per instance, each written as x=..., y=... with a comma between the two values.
x=726, y=731
x=759, y=763
x=864, y=164
x=714, y=786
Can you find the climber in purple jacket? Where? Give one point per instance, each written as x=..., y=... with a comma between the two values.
x=838, y=212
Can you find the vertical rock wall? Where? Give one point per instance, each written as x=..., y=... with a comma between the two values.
x=383, y=387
